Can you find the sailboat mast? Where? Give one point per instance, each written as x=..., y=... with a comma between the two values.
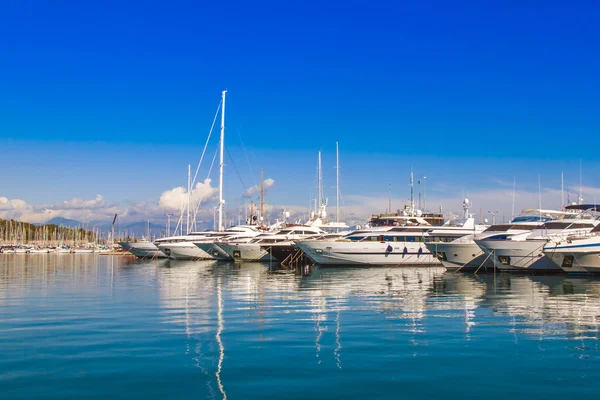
x=337, y=183
x=320, y=185
x=262, y=193
x=221, y=165
x=412, y=198
x=187, y=222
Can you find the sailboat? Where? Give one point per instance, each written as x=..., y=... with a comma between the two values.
x=183, y=247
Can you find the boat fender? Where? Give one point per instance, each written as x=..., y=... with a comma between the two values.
x=389, y=248
x=420, y=250
x=405, y=249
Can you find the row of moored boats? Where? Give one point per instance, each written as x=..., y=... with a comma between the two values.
x=537, y=240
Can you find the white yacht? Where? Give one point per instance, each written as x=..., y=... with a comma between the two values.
x=402, y=243
x=260, y=247
x=524, y=251
x=465, y=255
x=143, y=249
x=183, y=247
x=211, y=244
x=576, y=253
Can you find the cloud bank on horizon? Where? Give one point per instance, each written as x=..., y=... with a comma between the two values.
x=356, y=208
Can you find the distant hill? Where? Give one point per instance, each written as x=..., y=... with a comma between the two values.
x=68, y=223
x=137, y=229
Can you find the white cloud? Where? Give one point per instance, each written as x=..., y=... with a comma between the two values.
x=81, y=204
x=268, y=183
x=175, y=199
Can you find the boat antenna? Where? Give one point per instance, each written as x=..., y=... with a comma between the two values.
x=221, y=163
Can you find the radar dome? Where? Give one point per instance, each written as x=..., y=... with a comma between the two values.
x=419, y=213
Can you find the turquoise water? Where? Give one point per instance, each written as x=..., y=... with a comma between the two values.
x=102, y=327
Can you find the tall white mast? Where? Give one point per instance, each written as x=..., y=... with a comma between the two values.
x=262, y=195
x=189, y=190
x=221, y=164
x=412, y=199
x=337, y=183
x=320, y=185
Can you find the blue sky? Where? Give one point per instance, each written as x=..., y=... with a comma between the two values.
x=116, y=98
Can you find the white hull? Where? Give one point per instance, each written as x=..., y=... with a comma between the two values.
x=584, y=255
x=215, y=251
x=39, y=251
x=83, y=251
x=184, y=251
x=143, y=249
x=367, y=253
x=518, y=255
x=464, y=256
x=246, y=252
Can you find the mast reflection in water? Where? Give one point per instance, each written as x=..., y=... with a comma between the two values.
x=100, y=326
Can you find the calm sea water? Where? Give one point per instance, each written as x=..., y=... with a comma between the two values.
x=102, y=327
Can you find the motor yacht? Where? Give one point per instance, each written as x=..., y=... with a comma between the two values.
x=524, y=251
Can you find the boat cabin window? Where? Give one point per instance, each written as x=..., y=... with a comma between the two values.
x=497, y=237
x=530, y=218
x=355, y=238
x=498, y=228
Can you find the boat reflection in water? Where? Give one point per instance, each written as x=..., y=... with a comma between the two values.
x=255, y=331
x=329, y=309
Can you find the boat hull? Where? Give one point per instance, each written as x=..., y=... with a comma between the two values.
x=246, y=252
x=144, y=250
x=577, y=257
x=367, y=253
x=184, y=251
x=466, y=256
x=518, y=256
x=215, y=251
